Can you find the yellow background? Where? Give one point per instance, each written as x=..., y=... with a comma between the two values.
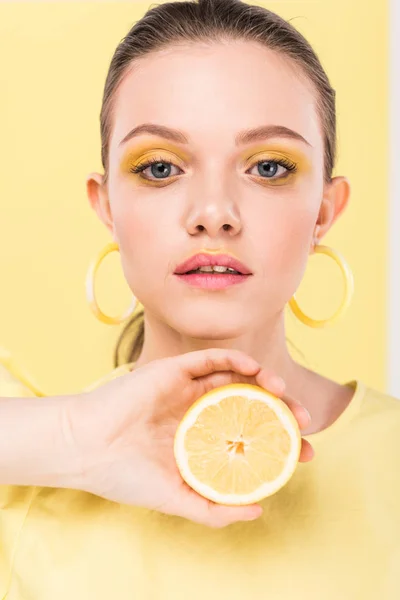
x=54, y=59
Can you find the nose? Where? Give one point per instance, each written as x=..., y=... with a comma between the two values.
x=213, y=214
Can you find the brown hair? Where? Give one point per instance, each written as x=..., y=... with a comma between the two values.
x=211, y=21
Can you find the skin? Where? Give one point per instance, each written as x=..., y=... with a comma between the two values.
x=271, y=224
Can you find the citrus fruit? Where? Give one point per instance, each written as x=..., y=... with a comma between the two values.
x=237, y=444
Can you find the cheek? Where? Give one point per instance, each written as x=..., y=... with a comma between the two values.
x=146, y=240
x=139, y=241
x=283, y=242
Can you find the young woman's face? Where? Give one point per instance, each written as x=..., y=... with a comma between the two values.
x=215, y=191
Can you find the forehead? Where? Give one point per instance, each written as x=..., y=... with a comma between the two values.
x=212, y=91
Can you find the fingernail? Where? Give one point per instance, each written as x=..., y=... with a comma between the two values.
x=307, y=413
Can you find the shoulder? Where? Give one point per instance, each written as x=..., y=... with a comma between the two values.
x=374, y=436
x=376, y=439
x=380, y=407
x=377, y=416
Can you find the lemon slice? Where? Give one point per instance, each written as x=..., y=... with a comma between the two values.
x=237, y=444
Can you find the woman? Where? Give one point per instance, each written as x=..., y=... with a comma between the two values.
x=218, y=138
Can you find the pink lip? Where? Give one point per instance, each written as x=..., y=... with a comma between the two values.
x=212, y=281
x=205, y=260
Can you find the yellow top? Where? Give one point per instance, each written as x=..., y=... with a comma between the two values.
x=331, y=533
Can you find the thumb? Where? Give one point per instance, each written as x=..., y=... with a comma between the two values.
x=271, y=382
x=204, y=362
x=201, y=510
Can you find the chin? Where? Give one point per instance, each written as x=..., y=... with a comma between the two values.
x=211, y=327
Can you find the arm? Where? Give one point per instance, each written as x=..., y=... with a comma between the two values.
x=117, y=441
x=34, y=448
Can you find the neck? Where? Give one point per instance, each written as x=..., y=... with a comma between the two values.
x=267, y=345
x=323, y=398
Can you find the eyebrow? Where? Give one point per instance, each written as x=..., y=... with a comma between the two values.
x=244, y=137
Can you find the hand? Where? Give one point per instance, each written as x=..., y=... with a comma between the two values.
x=124, y=430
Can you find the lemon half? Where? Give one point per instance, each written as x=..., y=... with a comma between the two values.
x=237, y=444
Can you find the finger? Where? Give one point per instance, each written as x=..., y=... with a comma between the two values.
x=197, y=508
x=221, y=378
x=204, y=362
x=301, y=414
x=219, y=515
x=307, y=451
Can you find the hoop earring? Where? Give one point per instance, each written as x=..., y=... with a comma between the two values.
x=349, y=290
x=90, y=291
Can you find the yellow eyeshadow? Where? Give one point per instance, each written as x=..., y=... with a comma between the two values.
x=144, y=151
x=272, y=152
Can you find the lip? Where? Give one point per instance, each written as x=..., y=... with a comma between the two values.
x=203, y=259
x=213, y=281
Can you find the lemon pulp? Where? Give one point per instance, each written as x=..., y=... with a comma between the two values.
x=237, y=444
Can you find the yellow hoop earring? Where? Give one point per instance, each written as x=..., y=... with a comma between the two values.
x=90, y=291
x=349, y=290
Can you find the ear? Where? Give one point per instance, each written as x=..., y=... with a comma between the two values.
x=334, y=201
x=99, y=201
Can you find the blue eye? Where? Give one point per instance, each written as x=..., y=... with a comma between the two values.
x=269, y=168
x=160, y=169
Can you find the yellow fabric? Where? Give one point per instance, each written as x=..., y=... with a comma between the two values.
x=332, y=533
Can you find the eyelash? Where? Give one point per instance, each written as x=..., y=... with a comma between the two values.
x=140, y=167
